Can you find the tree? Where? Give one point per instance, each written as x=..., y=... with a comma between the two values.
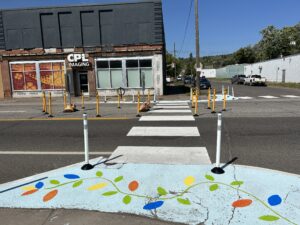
x=244, y=55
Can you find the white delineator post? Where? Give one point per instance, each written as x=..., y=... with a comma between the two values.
x=87, y=165
x=218, y=169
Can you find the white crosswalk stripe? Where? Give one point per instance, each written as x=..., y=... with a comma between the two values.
x=171, y=111
x=171, y=107
x=290, y=96
x=245, y=97
x=164, y=131
x=167, y=118
x=268, y=97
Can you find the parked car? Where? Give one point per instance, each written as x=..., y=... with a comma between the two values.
x=188, y=80
x=179, y=78
x=255, y=80
x=204, y=83
x=238, y=79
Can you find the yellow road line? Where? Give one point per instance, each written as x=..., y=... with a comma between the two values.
x=64, y=119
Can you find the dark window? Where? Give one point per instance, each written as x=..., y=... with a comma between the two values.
x=115, y=64
x=132, y=63
x=102, y=64
x=146, y=63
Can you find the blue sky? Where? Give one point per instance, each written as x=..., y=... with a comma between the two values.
x=225, y=25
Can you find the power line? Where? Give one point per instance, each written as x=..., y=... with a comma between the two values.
x=186, y=27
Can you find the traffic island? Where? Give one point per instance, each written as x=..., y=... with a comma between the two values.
x=189, y=194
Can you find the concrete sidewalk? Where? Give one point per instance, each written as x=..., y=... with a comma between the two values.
x=188, y=194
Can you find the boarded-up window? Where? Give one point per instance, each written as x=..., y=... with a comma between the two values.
x=106, y=27
x=90, y=29
x=50, y=30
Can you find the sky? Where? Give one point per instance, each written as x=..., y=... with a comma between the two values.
x=225, y=25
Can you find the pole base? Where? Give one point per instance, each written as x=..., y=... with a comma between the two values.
x=98, y=116
x=87, y=167
x=195, y=115
x=213, y=112
x=223, y=110
x=46, y=113
x=50, y=116
x=138, y=115
x=119, y=107
x=82, y=107
x=217, y=170
x=208, y=108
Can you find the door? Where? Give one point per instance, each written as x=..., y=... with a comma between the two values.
x=83, y=82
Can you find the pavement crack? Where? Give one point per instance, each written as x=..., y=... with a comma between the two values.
x=48, y=217
x=199, y=202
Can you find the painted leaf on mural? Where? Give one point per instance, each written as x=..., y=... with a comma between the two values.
x=77, y=184
x=237, y=183
x=50, y=195
x=153, y=205
x=190, y=180
x=269, y=218
x=118, y=179
x=39, y=185
x=97, y=186
x=242, y=203
x=99, y=174
x=30, y=192
x=274, y=200
x=127, y=199
x=209, y=177
x=213, y=187
x=161, y=191
x=133, y=185
x=110, y=193
x=71, y=176
x=184, y=201
x=28, y=188
x=54, y=182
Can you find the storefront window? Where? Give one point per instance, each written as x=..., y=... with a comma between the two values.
x=110, y=74
x=52, y=75
x=24, y=77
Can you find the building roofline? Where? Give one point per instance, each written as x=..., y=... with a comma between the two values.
x=127, y=2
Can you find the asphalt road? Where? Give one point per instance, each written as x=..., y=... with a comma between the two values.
x=264, y=142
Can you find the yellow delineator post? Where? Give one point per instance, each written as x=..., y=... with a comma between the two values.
x=224, y=100
x=138, y=104
x=98, y=105
x=44, y=102
x=149, y=100
x=196, y=103
x=119, y=101
x=82, y=100
x=50, y=106
x=208, y=99
x=194, y=97
x=65, y=100
x=214, y=102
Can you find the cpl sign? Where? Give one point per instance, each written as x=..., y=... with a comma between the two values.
x=78, y=60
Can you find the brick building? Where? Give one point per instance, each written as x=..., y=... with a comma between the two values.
x=88, y=48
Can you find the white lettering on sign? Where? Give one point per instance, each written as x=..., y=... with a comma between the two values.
x=78, y=60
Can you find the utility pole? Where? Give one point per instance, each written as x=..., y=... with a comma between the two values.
x=197, y=45
x=175, y=60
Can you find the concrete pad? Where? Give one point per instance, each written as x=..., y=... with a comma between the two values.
x=164, y=132
x=171, y=111
x=171, y=107
x=167, y=118
x=189, y=194
x=161, y=155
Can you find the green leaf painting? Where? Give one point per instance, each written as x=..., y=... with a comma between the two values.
x=269, y=218
x=54, y=182
x=99, y=174
x=118, y=179
x=110, y=193
x=213, y=187
x=127, y=199
x=77, y=184
x=184, y=201
x=161, y=191
x=236, y=183
x=209, y=177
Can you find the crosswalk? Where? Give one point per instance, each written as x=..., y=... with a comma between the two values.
x=269, y=97
x=162, y=113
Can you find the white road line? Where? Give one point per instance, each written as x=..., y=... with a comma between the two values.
x=174, y=102
x=167, y=118
x=290, y=96
x=161, y=155
x=170, y=111
x=162, y=105
x=17, y=111
x=171, y=107
x=164, y=132
x=268, y=97
x=50, y=153
x=245, y=97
